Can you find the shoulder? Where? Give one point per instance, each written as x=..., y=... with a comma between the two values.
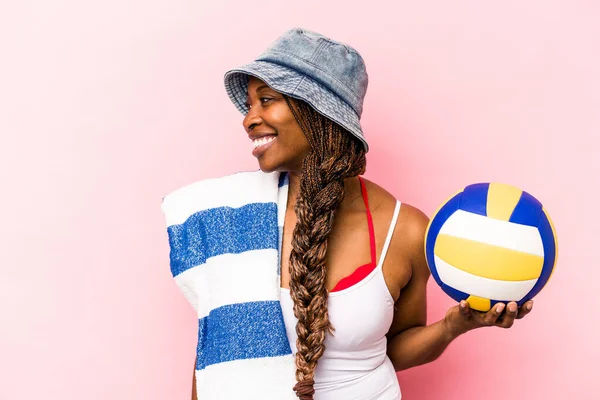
x=412, y=222
x=409, y=233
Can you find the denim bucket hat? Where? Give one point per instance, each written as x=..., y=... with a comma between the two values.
x=328, y=75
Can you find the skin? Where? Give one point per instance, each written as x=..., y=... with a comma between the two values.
x=411, y=341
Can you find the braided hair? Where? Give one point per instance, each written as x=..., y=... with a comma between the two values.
x=335, y=155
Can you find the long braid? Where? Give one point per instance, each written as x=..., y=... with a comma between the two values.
x=335, y=155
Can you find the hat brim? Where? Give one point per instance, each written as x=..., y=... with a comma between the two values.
x=296, y=85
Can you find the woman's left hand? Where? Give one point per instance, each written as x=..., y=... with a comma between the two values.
x=461, y=318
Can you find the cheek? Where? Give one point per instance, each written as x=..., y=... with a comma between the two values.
x=290, y=133
x=294, y=133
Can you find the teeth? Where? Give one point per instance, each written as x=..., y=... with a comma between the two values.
x=262, y=141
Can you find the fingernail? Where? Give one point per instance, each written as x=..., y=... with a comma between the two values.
x=512, y=308
x=529, y=306
x=462, y=304
x=499, y=308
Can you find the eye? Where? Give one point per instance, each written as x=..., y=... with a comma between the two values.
x=264, y=100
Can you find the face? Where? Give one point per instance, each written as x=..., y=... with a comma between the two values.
x=277, y=140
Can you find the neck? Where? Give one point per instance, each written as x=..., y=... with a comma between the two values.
x=293, y=189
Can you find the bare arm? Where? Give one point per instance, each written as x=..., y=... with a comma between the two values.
x=418, y=345
x=410, y=341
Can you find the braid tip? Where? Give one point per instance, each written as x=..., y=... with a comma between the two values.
x=305, y=389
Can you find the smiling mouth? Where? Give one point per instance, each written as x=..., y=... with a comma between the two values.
x=262, y=141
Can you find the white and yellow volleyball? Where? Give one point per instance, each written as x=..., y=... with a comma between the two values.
x=491, y=243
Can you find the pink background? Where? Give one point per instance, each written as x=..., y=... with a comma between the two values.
x=106, y=106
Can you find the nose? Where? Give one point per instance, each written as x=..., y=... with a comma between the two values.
x=252, y=119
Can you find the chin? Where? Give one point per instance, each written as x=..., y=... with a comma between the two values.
x=280, y=164
x=267, y=167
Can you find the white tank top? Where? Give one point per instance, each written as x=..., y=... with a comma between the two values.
x=355, y=365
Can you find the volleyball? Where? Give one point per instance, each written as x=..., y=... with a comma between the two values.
x=491, y=243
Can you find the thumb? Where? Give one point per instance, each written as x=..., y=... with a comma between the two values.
x=463, y=308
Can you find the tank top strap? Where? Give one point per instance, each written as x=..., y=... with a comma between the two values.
x=388, y=238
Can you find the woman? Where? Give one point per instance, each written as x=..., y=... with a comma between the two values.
x=353, y=270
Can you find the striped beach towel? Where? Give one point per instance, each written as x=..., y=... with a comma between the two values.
x=224, y=237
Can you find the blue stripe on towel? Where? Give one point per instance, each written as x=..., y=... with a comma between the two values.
x=222, y=230
x=241, y=331
x=283, y=179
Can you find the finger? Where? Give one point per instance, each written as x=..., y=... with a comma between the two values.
x=508, y=319
x=463, y=308
x=475, y=315
x=492, y=315
x=525, y=309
